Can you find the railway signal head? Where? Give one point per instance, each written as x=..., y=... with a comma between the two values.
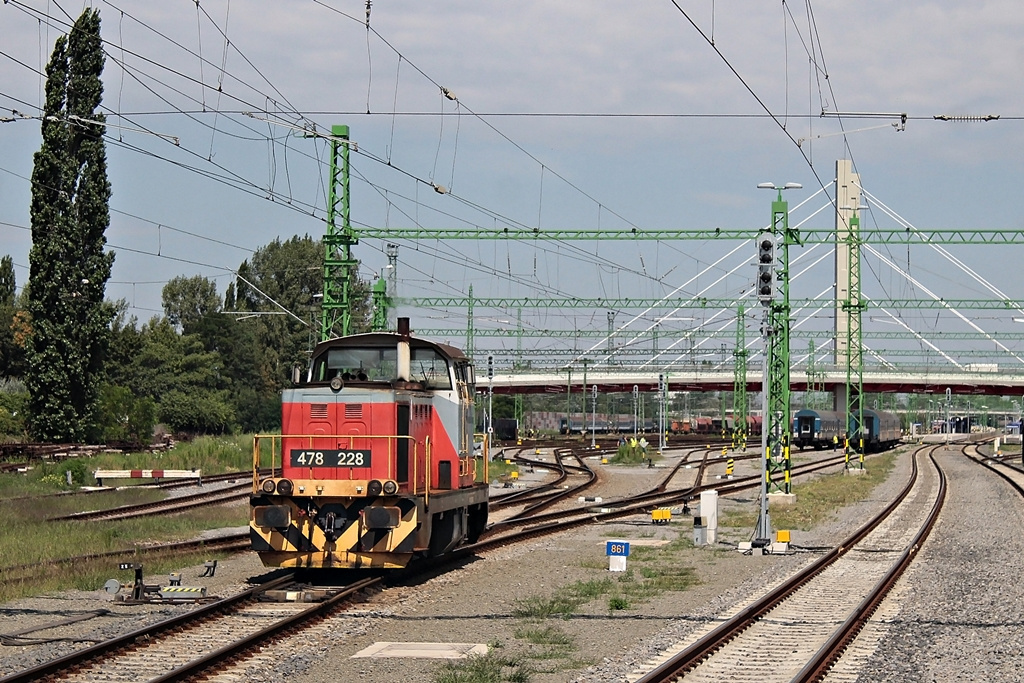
x=765, y=268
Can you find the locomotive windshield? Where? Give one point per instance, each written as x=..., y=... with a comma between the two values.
x=380, y=364
x=363, y=364
x=430, y=368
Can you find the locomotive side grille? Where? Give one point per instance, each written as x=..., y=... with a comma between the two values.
x=318, y=411
x=353, y=411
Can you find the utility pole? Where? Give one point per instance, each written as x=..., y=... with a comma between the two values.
x=593, y=418
x=739, y=384
x=490, y=398
x=568, y=401
x=636, y=408
x=583, y=414
x=949, y=400
x=662, y=383
x=519, y=337
x=611, y=332
x=469, y=324
x=812, y=377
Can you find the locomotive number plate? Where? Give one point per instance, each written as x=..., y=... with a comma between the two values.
x=329, y=458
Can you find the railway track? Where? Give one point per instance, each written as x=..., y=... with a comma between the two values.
x=227, y=544
x=643, y=503
x=799, y=628
x=541, y=497
x=225, y=495
x=1006, y=468
x=164, y=485
x=183, y=647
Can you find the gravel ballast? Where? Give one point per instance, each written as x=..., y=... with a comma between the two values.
x=475, y=603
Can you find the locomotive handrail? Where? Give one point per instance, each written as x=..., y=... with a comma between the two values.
x=274, y=438
x=466, y=465
x=428, y=453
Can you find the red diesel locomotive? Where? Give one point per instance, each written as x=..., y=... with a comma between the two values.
x=375, y=463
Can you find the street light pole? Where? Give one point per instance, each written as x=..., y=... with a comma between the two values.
x=949, y=399
x=583, y=415
x=636, y=398
x=490, y=399
x=662, y=395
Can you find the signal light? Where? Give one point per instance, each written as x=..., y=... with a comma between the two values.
x=765, y=268
x=285, y=487
x=374, y=488
x=390, y=487
x=267, y=486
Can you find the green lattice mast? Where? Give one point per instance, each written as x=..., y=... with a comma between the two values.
x=339, y=265
x=381, y=305
x=777, y=421
x=854, y=307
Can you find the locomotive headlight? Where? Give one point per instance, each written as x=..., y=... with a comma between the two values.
x=284, y=487
x=374, y=488
x=390, y=487
x=267, y=486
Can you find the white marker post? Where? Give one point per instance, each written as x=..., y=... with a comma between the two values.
x=617, y=552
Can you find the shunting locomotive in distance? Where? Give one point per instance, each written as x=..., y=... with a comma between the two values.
x=374, y=465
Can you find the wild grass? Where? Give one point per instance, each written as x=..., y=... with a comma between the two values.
x=497, y=469
x=653, y=571
x=536, y=607
x=27, y=538
x=617, y=603
x=489, y=668
x=634, y=455
x=210, y=455
x=819, y=498
x=548, y=635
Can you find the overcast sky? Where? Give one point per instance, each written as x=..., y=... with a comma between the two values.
x=669, y=131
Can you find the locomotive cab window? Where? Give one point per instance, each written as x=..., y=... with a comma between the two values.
x=356, y=364
x=430, y=368
x=464, y=373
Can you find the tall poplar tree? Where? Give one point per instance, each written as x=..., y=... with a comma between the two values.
x=68, y=264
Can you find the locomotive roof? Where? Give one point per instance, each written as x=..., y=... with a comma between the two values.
x=389, y=339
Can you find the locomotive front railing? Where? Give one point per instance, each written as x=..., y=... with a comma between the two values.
x=277, y=454
x=271, y=447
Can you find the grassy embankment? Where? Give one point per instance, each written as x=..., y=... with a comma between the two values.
x=818, y=498
x=27, y=538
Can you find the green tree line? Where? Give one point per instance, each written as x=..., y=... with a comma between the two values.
x=210, y=364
